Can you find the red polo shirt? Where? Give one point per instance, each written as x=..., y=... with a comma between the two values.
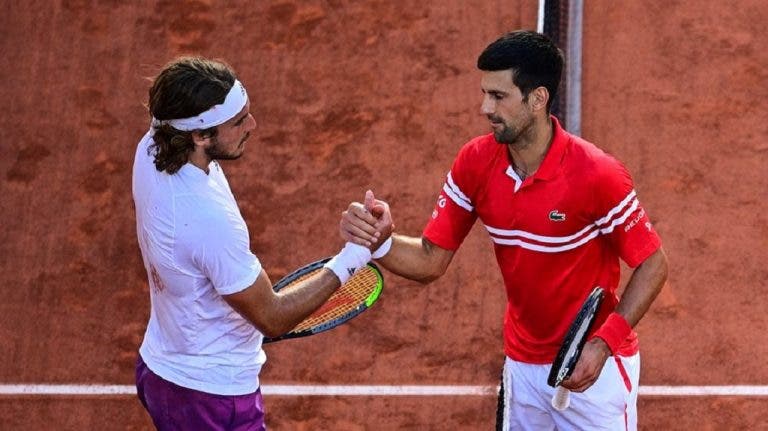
x=557, y=234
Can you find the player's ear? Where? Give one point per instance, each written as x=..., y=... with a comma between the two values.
x=201, y=137
x=538, y=98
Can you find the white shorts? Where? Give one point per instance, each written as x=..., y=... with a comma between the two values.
x=609, y=404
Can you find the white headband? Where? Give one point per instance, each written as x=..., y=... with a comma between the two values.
x=218, y=114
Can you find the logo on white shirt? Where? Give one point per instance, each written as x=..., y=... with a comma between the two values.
x=157, y=282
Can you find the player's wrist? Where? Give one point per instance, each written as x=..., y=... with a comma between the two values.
x=602, y=346
x=383, y=249
x=614, y=331
x=350, y=259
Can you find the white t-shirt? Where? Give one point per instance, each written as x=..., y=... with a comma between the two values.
x=196, y=248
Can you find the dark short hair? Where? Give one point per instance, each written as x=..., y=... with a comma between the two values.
x=534, y=59
x=186, y=87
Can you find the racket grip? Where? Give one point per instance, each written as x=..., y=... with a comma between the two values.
x=562, y=399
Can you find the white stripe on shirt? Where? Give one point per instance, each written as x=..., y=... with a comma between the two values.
x=454, y=192
x=569, y=242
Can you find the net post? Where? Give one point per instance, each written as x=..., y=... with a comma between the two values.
x=561, y=21
x=573, y=69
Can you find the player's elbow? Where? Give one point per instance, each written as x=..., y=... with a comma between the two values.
x=661, y=267
x=430, y=276
x=270, y=332
x=272, y=329
x=268, y=325
x=654, y=271
x=435, y=262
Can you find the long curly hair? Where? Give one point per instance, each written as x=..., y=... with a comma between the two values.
x=186, y=87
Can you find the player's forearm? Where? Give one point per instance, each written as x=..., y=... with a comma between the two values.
x=296, y=304
x=415, y=259
x=643, y=287
x=277, y=313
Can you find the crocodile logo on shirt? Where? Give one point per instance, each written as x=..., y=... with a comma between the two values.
x=555, y=215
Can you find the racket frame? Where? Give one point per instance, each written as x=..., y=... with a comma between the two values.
x=560, y=370
x=308, y=269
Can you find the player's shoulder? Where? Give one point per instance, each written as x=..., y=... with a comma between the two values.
x=598, y=171
x=482, y=143
x=479, y=150
x=591, y=158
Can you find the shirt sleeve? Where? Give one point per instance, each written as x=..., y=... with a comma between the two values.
x=224, y=256
x=454, y=213
x=621, y=218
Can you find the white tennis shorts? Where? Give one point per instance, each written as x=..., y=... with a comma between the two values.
x=609, y=404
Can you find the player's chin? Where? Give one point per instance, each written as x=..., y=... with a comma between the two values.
x=240, y=148
x=501, y=136
x=234, y=155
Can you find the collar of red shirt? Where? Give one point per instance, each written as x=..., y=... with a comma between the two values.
x=551, y=163
x=554, y=157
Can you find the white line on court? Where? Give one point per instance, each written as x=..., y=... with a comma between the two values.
x=687, y=391
x=379, y=390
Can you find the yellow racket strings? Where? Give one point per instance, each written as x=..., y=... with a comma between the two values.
x=346, y=298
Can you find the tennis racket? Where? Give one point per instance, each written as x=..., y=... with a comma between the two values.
x=358, y=294
x=570, y=350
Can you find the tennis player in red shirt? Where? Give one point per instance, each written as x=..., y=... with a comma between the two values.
x=561, y=214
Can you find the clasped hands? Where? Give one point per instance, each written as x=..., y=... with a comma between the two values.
x=368, y=223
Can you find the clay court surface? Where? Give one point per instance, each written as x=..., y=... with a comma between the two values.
x=350, y=95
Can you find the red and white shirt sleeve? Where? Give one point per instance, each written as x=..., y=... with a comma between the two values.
x=621, y=218
x=454, y=212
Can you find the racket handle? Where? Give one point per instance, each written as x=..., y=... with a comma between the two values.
x=562, y=399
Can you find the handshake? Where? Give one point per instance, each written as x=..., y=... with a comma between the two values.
x=368, y=224
x=367, y=227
